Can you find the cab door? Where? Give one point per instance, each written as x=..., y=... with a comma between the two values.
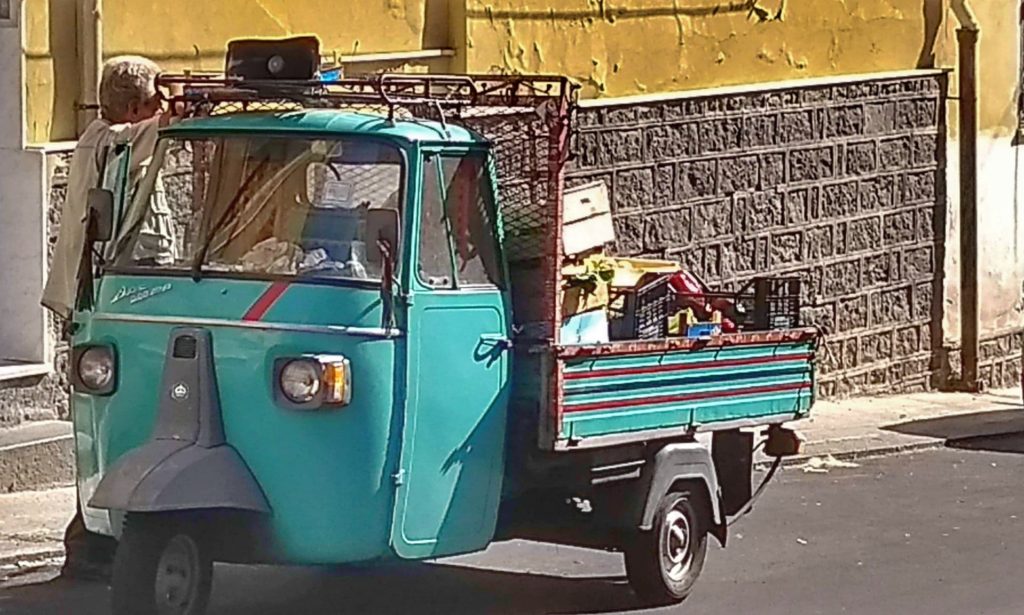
x=453, y=445
x=114, y=175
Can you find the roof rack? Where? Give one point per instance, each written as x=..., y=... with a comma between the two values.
x=441, y=92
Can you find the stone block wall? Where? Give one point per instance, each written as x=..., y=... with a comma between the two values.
x=840, y=183
x=999, y=360
x=44, y=397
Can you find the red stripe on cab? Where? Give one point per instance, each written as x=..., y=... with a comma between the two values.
x=265, y=301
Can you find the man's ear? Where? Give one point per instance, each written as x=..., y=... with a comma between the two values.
x=133, y=111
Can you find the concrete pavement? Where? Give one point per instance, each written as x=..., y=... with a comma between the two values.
x=31, y=522
x=31, y=526
x=870, y=426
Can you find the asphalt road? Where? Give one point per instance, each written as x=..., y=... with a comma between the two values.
x=932, y=533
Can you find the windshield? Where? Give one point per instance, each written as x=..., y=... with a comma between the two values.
x=264, y=206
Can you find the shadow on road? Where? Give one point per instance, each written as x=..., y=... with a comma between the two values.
x=963, y=426
x=413, y=588
x=424, y=588
x=53, y=596
x=1008, y=443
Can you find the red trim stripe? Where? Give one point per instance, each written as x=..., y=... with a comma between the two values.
x=668, y=399
x=682, y=367
x=265, y=301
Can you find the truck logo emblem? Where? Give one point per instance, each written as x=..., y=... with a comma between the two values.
x=138, y=294
x=180, y=391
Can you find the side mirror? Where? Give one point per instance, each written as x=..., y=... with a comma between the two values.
x=382, y=226
x=101, y=215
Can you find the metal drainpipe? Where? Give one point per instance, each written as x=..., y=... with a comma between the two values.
x=967, y=41
x=90, y=59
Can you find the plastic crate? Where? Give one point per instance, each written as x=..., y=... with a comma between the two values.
x=764, y=303
x=775, y=302
x=646, y=311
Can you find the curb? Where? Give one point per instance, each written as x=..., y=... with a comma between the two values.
x=879, y=451
x=37, y=464
x=17, y=560
x=858, y=454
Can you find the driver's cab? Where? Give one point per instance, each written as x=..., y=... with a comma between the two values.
x=309, y=234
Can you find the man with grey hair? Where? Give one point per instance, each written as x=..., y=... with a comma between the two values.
x=130, y=113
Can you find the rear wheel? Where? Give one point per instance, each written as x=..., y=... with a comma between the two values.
x=663, y=564
x=160, y=568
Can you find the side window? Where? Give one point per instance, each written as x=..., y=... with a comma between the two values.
x=457, y=236
x=436, y=267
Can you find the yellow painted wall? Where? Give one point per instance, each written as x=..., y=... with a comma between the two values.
x=194, y=34
x=613, y=47
x=51, y=80
x=999, y=65
x=621, y=47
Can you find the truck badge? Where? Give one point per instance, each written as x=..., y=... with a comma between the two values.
x=179, y=392
x=138, y=294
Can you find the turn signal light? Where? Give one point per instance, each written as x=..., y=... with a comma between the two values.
x=337, y=379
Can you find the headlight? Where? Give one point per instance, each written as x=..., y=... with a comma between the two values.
x=300, y=381
x=312, y=382
x=95, y=367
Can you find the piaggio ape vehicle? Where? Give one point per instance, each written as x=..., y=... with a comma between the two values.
x=344, y=347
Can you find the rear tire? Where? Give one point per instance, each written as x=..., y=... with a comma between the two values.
x=161, y=568
x=663, y=564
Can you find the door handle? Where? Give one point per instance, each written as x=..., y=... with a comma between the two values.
x=496, y=339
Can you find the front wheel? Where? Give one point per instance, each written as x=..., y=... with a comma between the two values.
x=664, y=563
x=160, y=568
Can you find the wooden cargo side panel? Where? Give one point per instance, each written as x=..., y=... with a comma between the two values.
x=639, y=391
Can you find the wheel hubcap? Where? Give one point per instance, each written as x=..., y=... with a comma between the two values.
x=177, y=576
x=677, y=556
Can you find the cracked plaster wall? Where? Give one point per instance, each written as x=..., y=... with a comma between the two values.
x=621, y=47
x=194, y=35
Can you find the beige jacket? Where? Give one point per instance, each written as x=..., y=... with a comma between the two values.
x=86, y=163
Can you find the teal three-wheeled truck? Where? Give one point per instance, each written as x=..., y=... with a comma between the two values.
x=323, y=328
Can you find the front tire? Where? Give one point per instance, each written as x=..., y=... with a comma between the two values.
x=663, y=564
x=161, y=568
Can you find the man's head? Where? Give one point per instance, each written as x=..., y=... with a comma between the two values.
x=128, y=90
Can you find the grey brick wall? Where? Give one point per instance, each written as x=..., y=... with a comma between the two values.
x=840, y=184
x=999, y=360
x=45, y=397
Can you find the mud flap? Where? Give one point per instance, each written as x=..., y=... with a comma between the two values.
x=187, y=463
x=168, y=475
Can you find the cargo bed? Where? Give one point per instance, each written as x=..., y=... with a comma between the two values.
x=567, y=397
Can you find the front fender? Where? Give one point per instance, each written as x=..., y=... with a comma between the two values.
x=171, y=475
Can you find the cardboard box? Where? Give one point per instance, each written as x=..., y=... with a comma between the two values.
x=587, y=221
x=628, y=271
x=575, y=300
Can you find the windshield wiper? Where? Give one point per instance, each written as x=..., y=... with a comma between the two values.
x=197, y=263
